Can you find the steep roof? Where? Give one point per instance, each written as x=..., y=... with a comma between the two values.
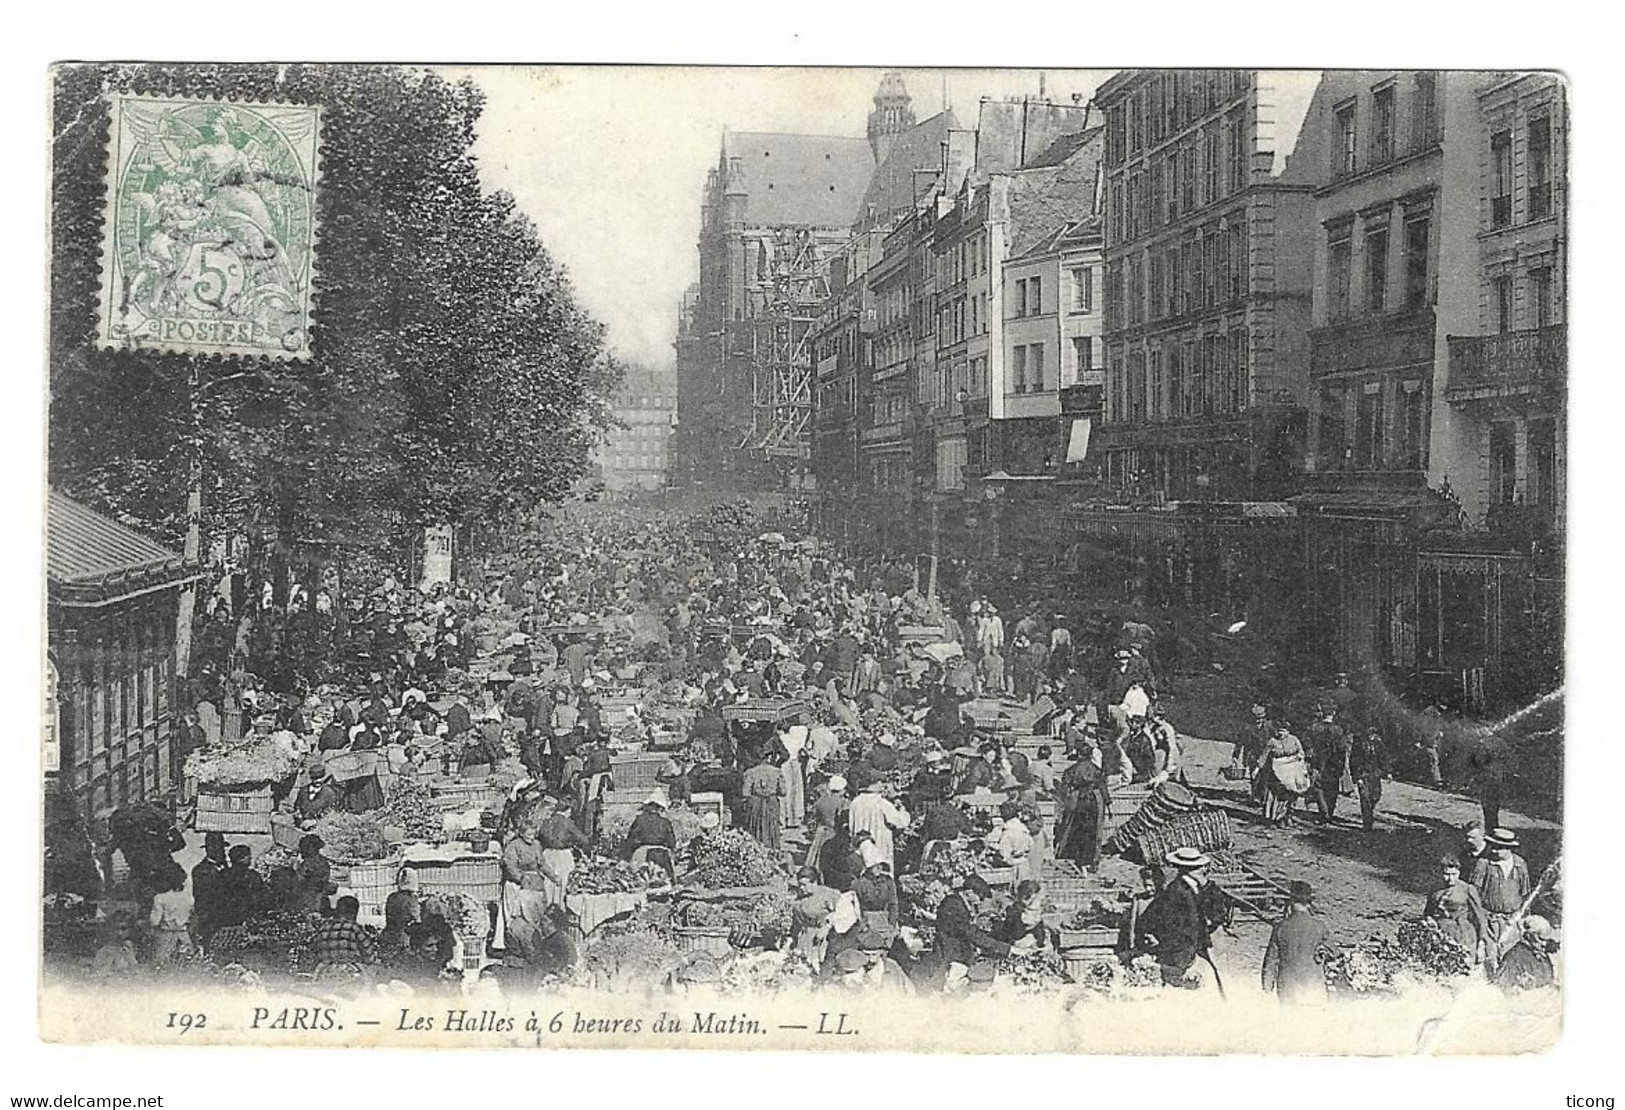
x=93, y=559
x=799, y=180
x=894, y=187
x=1048, y=199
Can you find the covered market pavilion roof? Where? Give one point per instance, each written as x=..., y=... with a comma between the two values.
x=93, y=560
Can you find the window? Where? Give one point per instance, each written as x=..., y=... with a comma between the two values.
x=1193, y=296
x=1501, y=166
x=1333, y=451
x=1210, y=163
x=1176, y=281
x=1368, y=435
x=1501, y=294
x=1176, y=386
x=1503, y=465
x=1171, y=173
x=1018, y=369
x=1158, y=211
x=1035, y=296
x=1382, y=125
x=1035, y=367
x=1541, y=484
x=1540, y=296
x=1021, y=298
x=1083, y=350
x=1344, y=152
x=1376, y=268
x=1239, y=266
x=1238, y=153
x=1158, y=412
x=1189, y=175
x=1238, y=370
x=1083, y=290
x=1410, y=426
x=1540, y=168
x=1417, y=231
x=1158, y=303
x=1425, y=111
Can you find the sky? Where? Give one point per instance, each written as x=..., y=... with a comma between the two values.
x=610, y=161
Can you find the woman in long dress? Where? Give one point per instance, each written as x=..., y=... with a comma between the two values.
x=763, y=787
x=1458, y=909
x=1283, y=759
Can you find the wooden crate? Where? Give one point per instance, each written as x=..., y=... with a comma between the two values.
x=233, y=811
x=1077, y=964
x=997, y=876
x=1126, y=802
x=1095, y=936
x=466, y=795
x=636, y=771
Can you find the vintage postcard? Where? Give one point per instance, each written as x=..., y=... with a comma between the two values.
x=978, y=561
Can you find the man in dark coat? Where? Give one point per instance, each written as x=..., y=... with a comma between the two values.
x=652, y=829
x=1329, y=749
x=959, y=940
x=1177, y=925
x=1297, y=945
x=210, y=887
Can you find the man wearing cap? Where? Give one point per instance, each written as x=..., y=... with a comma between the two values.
x=1502, y=882
x=1297, y=946
x=1175, y=924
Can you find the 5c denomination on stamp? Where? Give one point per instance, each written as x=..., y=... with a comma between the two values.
x=210, y=236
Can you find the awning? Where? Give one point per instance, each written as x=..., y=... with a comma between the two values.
x=1077, y=444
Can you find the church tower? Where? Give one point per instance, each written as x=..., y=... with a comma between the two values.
x=893, y=114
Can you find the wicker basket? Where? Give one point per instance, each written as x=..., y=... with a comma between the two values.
x=712, y=940
x=285, y=832
x=474, y=950
x=479, y=878
x=1205, y=831
x=1077, y=964
x=636, y=771
x=233, y=811
x=372, y=883
x=466, y=795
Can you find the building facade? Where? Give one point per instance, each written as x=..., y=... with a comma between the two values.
x=1207, y=288
x=636, y=455
x=112, y=598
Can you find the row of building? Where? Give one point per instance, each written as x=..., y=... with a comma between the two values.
x=1189, y=342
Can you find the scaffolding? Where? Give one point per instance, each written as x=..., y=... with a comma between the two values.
x=782, y=357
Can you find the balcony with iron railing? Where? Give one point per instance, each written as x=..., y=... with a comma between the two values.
x=1511, y=362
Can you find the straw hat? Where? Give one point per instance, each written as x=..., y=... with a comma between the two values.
x=1187, y=859
x=1502, y=838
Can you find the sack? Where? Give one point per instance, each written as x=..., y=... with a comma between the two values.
x=1291, y=772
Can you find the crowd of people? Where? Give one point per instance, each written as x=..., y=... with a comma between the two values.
x=719, y=621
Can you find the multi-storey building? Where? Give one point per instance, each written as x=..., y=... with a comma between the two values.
x=1491, y=599
x=841, y=348
x=1206, y=287
x=635, y=454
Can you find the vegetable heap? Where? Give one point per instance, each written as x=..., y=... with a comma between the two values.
x=277, y=941
x=759, y=918
x=597, y=875
x=732, y=857
x=1032, y=972
x=927, y=887
x=255, y=761
x=412, y=807
x=351, y=838
x=467, y=915
x=1419, y=953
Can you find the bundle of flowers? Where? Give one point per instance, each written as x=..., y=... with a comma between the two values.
x=1096, y=915
x=254, y=761
x=351, y=837
x=732, y=857
x=598, y=875
x=949, y=863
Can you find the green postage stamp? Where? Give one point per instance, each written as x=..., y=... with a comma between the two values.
x=210, y=232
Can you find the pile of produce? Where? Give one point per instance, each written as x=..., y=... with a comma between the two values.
x=273, y=858
x=351, y=837
x=926, y=888
x=1419, y=953
x=732, y=857
x=412, y=807
x=467, y=915
x=756, y=973
x=1108, y=976
x=1096, y=915
x=761, y=917
x=598, y=875
x=254, y=761
x=507, y=773
x=1032, y=972
x=613, y=826
x=633, y=954
x=276, y=941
